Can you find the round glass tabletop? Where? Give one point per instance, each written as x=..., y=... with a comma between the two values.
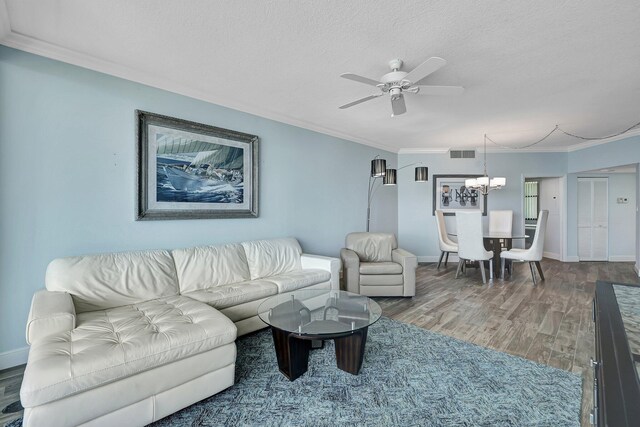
x=319, y=312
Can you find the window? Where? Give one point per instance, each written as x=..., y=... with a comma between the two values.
x=531, y=204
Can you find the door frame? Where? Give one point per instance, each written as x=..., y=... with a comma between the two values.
x=562, y=196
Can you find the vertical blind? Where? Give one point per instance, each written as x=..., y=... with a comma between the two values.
x=531, y=200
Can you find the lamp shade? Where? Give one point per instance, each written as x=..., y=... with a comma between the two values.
x=389, y=177
x=498, y=182
x=470, y=182
x=422, y=174
x=378, y=167
x=483, y=180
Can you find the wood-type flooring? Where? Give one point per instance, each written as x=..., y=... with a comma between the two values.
x=548, y=323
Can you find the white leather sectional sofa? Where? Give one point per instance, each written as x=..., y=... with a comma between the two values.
x=128, y=338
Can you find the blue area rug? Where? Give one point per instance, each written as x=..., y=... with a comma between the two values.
x=410, y=377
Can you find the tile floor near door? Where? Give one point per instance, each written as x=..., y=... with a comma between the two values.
x=548, y=323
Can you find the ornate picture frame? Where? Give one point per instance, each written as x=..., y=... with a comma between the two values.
x=188, y=170
x=450, y=195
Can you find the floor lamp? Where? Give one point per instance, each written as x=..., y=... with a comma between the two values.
x=389, y=177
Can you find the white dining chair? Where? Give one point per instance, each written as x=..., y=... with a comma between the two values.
x=470, y=242
x=533, y=255
x=447, y=245
x=500, y=221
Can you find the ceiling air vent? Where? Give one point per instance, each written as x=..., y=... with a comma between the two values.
x=462, y=154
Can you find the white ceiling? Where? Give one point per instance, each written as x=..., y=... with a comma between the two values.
x=526, y=65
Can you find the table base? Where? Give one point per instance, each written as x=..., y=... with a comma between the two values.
x=292, y=351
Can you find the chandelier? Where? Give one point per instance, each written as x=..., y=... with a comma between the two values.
x=484, y=184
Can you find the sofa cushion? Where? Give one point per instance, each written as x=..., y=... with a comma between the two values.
x=380, y=268
x=203, y=267
x=112, y=344
x=270, y=257
x=381, y=279
x=238, y=293
x=299, y=279
x=372, y=247
x=97, y=282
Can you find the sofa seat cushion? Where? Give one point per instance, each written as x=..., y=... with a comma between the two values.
x=239, y=293
x=112, y=344
x=299, y=279
x=380, y=268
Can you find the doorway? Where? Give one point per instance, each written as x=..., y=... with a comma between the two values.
x=593, y=219
x=545, y=194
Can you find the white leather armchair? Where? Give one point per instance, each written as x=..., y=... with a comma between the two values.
x=375, y=266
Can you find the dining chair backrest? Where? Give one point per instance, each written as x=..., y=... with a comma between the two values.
x=537, y=247
x=443, y=237
x=500, y=221
x=469, y=232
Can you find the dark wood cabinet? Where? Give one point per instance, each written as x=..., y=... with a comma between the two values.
x=616, y=388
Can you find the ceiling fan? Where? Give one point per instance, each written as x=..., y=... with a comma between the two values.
x=397, y=82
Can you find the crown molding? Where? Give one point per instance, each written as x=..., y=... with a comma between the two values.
x=58, y=53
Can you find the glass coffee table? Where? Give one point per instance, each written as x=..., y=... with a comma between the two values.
x=303, y=319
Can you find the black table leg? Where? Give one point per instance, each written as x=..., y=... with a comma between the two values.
x=350, y=351
x=292, y=353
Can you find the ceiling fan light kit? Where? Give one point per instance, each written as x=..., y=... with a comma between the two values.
x=397, y=82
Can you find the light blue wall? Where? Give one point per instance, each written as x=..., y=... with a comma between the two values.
x=67, y=178
x=416, y=224
x=417, y=229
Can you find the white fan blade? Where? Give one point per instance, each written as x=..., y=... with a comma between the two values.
x=397, y=105
x=423, y=70
x=359, y=101
x=439, y=90
x=360, y=79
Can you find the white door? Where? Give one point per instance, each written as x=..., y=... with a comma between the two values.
x=593, y=221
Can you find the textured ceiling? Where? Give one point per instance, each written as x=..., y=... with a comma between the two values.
x=526, y=65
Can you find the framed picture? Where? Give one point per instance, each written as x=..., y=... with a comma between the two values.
x=189, y=170
x=451, y=195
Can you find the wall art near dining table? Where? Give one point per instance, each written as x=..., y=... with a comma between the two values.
x=451, y=195
x=189, y=170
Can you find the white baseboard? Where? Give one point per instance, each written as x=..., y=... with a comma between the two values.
x=622, y=258
x=430, y=258
x=572, y=259
x=552, y=255
x=12, y=358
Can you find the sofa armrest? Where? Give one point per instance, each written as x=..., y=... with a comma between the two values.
x=332, y=265
x=409, y=263
x=351, y=263
x=51, y=313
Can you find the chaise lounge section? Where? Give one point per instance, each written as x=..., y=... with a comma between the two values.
x=129, y=338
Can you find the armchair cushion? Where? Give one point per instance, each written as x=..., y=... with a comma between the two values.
x=380, y=268
x=372, y=247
